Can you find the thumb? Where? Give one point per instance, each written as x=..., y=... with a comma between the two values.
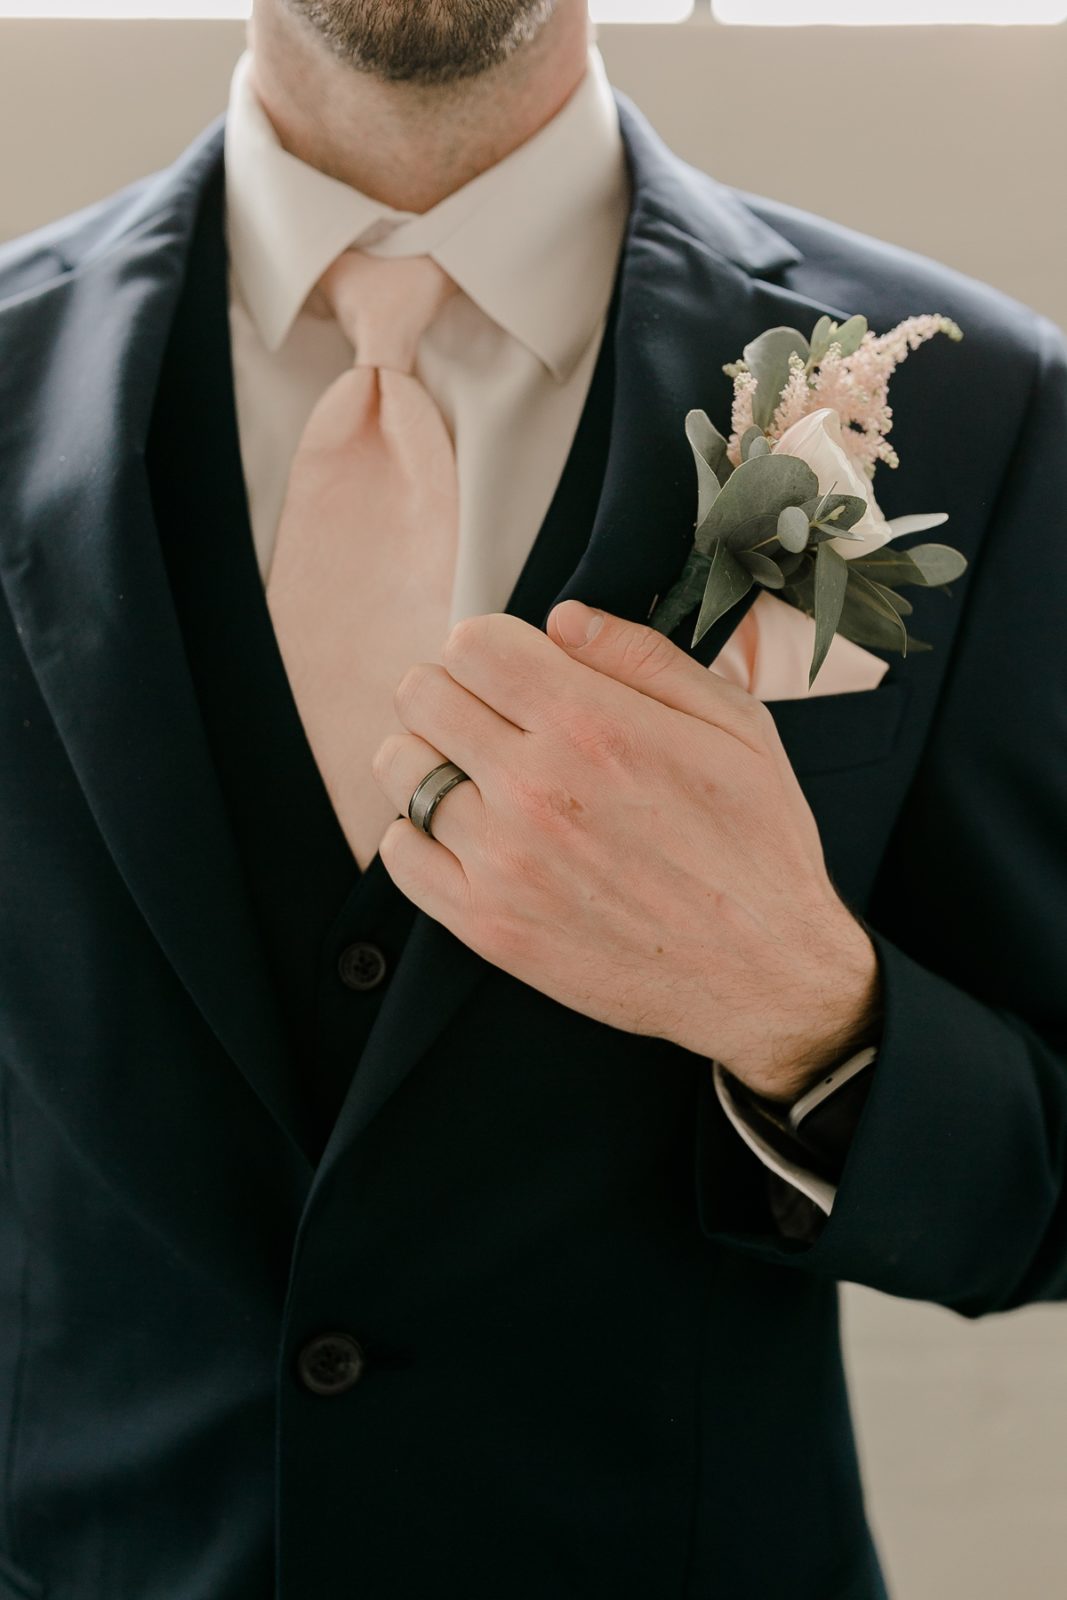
x=638, y=656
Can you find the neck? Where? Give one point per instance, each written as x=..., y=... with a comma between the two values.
x=410, y=145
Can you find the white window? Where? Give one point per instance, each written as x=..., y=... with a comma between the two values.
x=601, y=10
x=794, y=13
x=641, y=10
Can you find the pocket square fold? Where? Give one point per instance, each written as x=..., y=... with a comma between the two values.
x=769, y=654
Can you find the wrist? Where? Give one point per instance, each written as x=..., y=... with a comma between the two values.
x=820, y=1034
x=858, y=1028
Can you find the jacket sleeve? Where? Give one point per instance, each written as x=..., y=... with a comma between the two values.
x=954, y=1187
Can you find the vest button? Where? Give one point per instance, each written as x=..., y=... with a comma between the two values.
x=361, y=965
x=330, y=1363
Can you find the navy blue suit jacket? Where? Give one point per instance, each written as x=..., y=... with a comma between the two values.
x=593, y=1364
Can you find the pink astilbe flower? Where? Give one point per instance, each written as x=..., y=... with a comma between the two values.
x=745, y=386
x=854, y=386
x=797, y=398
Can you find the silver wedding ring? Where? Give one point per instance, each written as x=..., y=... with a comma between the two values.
x=428, y=794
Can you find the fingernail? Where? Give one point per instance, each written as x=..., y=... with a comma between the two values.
x=576, y=623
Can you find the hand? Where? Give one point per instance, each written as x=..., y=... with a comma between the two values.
x=633, y=843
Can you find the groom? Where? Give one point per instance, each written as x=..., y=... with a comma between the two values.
x=397, y=1210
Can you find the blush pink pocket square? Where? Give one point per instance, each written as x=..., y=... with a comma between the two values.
x=769, y=654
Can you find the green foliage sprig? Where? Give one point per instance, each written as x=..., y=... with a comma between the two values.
x=765, y=521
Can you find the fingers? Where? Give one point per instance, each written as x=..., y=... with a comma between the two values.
x=633, y=654
x=448, y=716
x=399, y=765
x=515, y=668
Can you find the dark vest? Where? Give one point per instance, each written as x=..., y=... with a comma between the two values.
x=331, y=935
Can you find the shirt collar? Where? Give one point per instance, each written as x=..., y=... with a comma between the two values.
x=534, y=240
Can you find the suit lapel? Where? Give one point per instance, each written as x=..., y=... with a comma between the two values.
x=83, y=573
x=84, y=576
x=688, y=300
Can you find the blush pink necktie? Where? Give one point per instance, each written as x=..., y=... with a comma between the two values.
x=360, y=585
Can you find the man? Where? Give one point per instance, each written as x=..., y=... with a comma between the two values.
x=428, y=1219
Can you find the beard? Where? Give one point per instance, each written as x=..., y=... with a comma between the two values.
x=423, y=41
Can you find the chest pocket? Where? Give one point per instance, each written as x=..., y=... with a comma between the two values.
x=836, y=732
x=842, y=749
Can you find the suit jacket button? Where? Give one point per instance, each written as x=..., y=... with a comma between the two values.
x=330, y=1363
x=361, y=965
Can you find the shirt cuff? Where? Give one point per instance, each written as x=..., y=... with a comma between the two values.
x=808, y=1162
x=743, y=1118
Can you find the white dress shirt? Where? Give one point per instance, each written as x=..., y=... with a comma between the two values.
x=533, y=243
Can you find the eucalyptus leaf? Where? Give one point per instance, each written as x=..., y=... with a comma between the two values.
x=800, y=587
x=709, y=451
x=758, y=533
x=821, y=502
x=820, y=339
x=803, y=597
x=902, y=606
x=748, y=439
x=789, y=563
x=834, y=530
x=793, y=528
x=844, y=510
x=888, y=566
x=938, y=563
x=684, y=593
x=759, y=447
x=728, y=582
x=850, y=335
x=871, y=629
x=767, y=358
x=868, y=619
x=831, y=582
x=762, y=568
x=763, y=486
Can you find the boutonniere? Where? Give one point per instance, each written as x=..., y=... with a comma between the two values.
x=786, y=501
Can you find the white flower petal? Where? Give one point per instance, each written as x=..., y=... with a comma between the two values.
x=918, y=522
x=816, y=440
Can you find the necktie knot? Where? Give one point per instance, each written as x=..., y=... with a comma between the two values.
x=385, y=304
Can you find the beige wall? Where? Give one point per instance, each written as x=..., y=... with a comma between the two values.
x=951, y=141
